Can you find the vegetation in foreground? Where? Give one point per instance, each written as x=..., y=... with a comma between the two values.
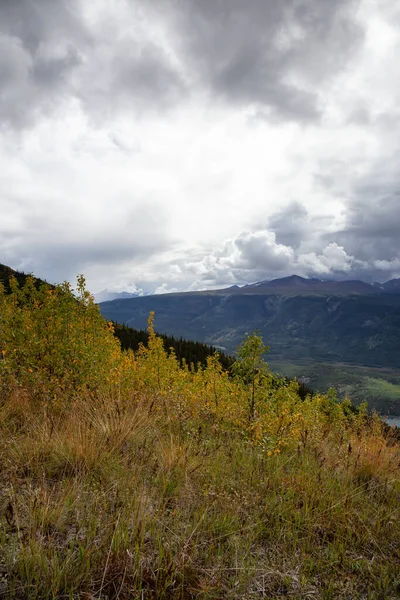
x=126, y=476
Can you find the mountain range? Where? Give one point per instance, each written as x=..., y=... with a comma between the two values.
x=335, y=321
x=296, y=284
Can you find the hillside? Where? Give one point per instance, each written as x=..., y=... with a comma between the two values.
x=125, y=475
x=6, y=273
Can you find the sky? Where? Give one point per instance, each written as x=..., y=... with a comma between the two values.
x=164, y=145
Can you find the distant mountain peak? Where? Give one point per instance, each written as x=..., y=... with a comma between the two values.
x=293, y=280
x=107, y=295
x=295, y=284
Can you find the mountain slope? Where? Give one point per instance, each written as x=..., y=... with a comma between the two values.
x=6, y=273
x=341, y=325
x=392, y=286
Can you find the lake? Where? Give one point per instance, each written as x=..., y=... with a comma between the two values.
x=393, y=421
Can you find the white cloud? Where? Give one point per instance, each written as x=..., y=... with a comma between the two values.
x=164, y=288
x=332, y=261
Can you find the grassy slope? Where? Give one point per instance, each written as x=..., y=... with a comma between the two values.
x=113, y=504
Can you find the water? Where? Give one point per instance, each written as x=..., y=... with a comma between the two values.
x=393, y=421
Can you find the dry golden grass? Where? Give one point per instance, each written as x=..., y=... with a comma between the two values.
x=123, y=503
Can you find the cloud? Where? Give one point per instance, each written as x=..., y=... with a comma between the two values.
x=58, y=244
x=143, y=56
x=257, y=256
x=39, y=51
x=133, y=77
x=333, y=261
x=191, y=144
x=291, y=224
x=371, y=213
x=372, y=224
x=271, y=55
x=53, y=53
x=260, y=250
x=165, y=288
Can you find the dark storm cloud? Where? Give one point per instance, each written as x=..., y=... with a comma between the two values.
x=372, y=228
x=50, y=54
x=39, y=50
x=371, y=215
x=133, y=77
x=147, y=75
x=34, y=22
x=53, y=72
x=290, y=224
x=273, y=56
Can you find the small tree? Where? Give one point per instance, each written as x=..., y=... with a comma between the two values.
x=250, y=366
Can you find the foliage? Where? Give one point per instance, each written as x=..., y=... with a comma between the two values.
x=251, y=367
x=186, y=351
x=55, y=344
x=129, y=475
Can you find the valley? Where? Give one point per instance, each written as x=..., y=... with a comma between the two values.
x=379, y=387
